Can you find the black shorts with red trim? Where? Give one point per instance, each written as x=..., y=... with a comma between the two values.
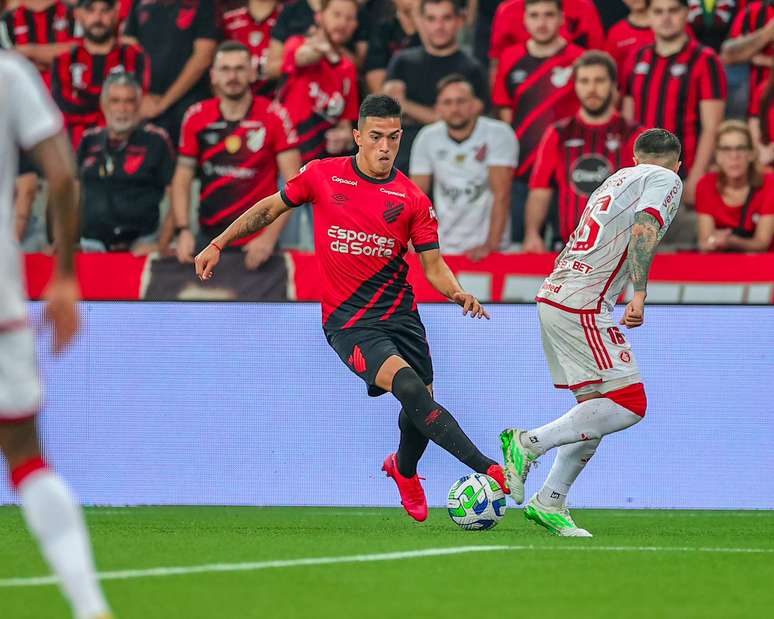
x=365, y=349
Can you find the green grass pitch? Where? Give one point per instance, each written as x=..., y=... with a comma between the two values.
x=648, y=564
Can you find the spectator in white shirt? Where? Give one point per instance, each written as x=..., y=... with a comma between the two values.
x=470, y=161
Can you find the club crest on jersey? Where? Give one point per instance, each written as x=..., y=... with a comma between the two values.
x=233, y=143
x=481, y=153
x=560, y=76
x=256, y=138
x=255, y=38
x=393, y=211
x=678, y=70
x=625, y=357
x=642, y=68
x=61, y=23
x=77, y=69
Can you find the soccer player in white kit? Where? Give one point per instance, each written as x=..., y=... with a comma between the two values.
x=30, y=120
x=614, y=242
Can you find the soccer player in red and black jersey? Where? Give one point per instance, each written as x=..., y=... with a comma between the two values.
x=78, y=74
x=751, y=39
x=534, y=89
x=679, y=85
x=39, y=30
x=578, y=153
x=320, y=92
x=366, y=214
x=237, y=144
x=251, y=25
x=581, y=26
x=630, y=34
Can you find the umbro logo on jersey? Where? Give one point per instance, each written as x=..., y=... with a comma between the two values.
x=340, y=199
x=394, y=209
x=343, y=181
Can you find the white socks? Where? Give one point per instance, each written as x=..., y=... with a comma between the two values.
x=570, y=461
x=586, y=421
x=56, y=521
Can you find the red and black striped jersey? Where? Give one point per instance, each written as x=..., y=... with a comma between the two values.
x=582, y=26
x=760, y=103
x=577, y=158
x=236, y=159
x=241, y=26
x=54, y=24
x=77, y=77
x=317, y=97
x=362, y=228
x=539, y=91
x=753, y=18
x=667, y=90
x=624, y=38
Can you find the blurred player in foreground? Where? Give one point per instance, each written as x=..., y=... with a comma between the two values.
x=614, y=242
x=366, y=213
x=29, y=119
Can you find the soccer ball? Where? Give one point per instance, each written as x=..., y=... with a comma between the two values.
x=476, y=502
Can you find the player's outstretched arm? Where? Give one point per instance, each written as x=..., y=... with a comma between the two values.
x=442, y=279
x=642, y=248
x=255, y=218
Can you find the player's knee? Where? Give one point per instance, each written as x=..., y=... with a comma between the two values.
x=409, y=389
x=632, y=398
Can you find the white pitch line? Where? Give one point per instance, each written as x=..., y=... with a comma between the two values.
x=386, y=556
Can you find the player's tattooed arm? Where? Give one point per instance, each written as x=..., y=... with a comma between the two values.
x=255, y=218
x=642, y=248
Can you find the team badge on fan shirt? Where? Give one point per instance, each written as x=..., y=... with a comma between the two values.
x=255, y=139
x=560, y=76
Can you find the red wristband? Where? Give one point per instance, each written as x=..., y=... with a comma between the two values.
x=216, y=246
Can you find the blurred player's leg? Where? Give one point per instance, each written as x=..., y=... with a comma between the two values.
x=55, y=520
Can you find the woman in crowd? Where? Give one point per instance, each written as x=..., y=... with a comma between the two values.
x=735, y=202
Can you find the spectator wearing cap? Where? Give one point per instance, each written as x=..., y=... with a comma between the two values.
x=180, y=36
x=39, y=30
x=79, y=73
x=735, y=201
x=124, y=170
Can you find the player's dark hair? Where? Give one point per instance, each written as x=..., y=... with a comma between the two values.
x=326, y=3
x=379, y=106
x=452, y=78
x=658, y=144
x=597, y=58
x=457, y=4
x=232, y=46
x=558, y=3
x=683, y=2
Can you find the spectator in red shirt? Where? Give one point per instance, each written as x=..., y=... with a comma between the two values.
x=751, y=40
x=679, y=85
x=39, y=30
x=578, y=153
x=251, y=25
x=237, y=144
x=735, y=203
x=534, y=89
x=762, y=121
x=630, y=34
x=320, y=92
x=581, y=26
x=78, y=74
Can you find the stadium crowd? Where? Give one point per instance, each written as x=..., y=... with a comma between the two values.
x=183, y=113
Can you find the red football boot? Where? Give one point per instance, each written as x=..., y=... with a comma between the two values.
x=496, y=472
x=412, y=496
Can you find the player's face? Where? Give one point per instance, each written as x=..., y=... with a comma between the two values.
x=378, y=140
x=440, y=25
x=98, y=20
x=339, y=21
x=121, y=107
x=456, y=106
x=595, y=89
x=734, y=154
x=668, y=19
x=543, y=21
x=231, y=74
